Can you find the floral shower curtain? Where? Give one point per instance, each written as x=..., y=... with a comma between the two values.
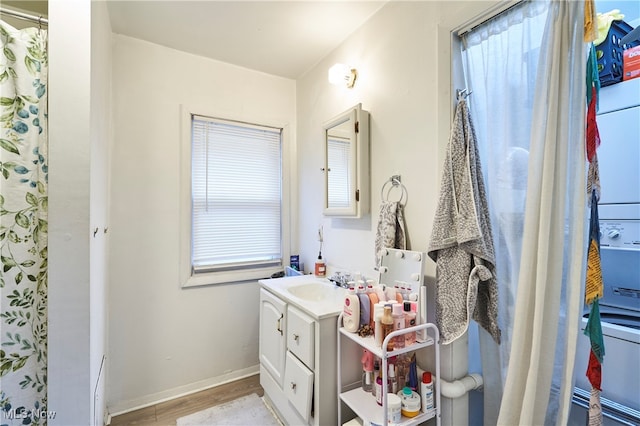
x=23, y=225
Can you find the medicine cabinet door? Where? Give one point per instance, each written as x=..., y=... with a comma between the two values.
x=346, y=165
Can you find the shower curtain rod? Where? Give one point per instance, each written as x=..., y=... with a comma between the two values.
x=24, y=16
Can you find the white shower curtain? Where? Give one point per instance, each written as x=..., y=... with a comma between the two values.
x=23, y=225
x=526, y=71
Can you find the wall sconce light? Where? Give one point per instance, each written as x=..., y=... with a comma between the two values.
x=340, y=74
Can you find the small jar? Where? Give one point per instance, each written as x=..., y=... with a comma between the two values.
x=410, y=402
x=394, y=408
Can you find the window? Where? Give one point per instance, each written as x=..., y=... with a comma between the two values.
x=236, y=206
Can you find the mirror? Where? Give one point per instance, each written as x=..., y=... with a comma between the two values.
x=406, y=269
x=346, y=166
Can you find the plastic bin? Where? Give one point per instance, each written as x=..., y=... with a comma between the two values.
x=610, y=53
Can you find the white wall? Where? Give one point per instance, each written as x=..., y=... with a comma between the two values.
x=79, y=136
x=401, y=54
x=403, y=57
x=165, y=340
x=101, y=130
x=69, y=393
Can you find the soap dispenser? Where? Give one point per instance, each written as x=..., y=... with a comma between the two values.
x=321, y=268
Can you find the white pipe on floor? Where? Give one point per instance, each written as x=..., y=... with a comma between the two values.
x=460, y=387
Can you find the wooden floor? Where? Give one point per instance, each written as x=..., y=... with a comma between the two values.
x=167, y=413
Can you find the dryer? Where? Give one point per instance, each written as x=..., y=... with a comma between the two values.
x=620, y=316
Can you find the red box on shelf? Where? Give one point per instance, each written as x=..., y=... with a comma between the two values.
x=631, y=63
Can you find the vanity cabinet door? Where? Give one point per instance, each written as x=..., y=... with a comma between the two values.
x=298, y=386
x=300, y=336
x=272, y=334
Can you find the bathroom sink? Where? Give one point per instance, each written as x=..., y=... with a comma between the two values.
x=316, y=296
x=314, y=291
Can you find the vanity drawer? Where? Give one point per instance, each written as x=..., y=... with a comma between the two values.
x=300, y=335
x=298, y=386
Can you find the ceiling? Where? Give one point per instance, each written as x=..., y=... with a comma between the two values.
x=283, y=38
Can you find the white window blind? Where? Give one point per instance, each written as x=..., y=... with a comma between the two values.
x=339, y=152
x=236, y=192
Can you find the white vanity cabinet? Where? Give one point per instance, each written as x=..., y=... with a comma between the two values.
x=298, y=360
x=272, y=341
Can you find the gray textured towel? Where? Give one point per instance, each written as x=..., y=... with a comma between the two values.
x=390, y=232
x=461, y=242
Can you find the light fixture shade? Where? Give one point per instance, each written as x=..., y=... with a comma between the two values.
x=341, y=74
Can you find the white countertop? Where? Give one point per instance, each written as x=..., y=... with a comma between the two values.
x=330, y=305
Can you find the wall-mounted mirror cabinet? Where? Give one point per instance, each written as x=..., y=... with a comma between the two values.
x=346, y=166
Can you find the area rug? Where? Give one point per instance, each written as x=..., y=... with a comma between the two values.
x=249, y=410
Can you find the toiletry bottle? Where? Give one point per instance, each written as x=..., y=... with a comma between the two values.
x=421, y=314
x=402, y=368
x=373, y=299
x=398, y=324
x=370, y=283
x=412, y=377
x=393, y=382
x=399, y=295
x=390, y=293
x=351, y=311
x=365, y=306
x=379, y=289
x=321, y=268
x=396, y=287
x=376, y=374
x=387, y=326
x=409, y=288
x=367, y=370
x=379, y=390
x=426, y=392
x=409, y=321
x=378, y=333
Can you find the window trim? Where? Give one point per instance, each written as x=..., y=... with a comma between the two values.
x=186, y=275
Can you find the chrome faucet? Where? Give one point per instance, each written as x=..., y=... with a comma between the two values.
x=341, y=279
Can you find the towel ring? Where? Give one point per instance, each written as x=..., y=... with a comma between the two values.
x=395, y=182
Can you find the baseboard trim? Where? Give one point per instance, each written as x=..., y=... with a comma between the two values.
x=123, y=407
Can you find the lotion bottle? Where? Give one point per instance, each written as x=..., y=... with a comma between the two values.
x=365, y=308
x=351, y=311
x=426, y=392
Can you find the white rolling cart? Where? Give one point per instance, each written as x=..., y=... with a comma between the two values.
x=363, y=403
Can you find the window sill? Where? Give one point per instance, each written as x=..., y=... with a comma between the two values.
x=226, y=277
